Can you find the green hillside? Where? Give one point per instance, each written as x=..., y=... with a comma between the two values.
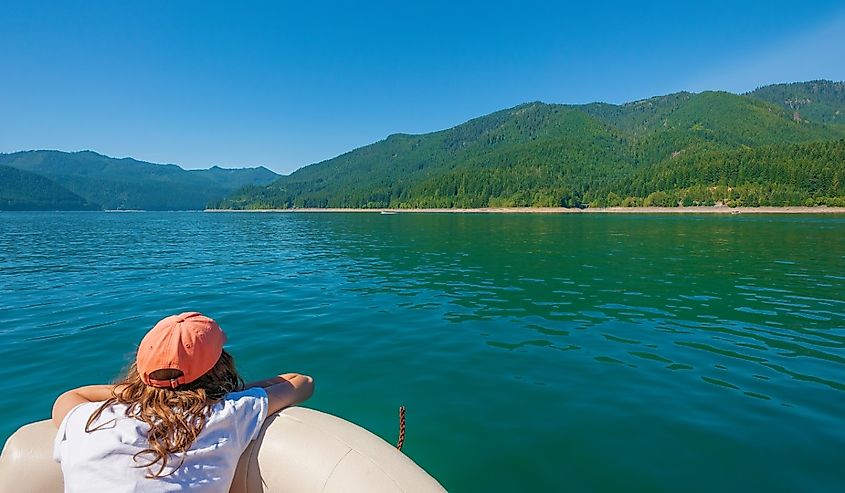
x=820, y=101
x=25, y=191
x=771, y=175
x=540, y=154
x=410, y=169
x=131, y=184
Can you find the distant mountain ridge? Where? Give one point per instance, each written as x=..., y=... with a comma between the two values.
x=597, y=154
x=127, y=183
x=24, y=191
x=782, y=144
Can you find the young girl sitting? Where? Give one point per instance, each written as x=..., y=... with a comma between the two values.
x=178, y=421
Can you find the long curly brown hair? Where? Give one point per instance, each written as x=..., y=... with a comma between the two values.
x=175, y=416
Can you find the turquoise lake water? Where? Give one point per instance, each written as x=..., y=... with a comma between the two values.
x=533, y=352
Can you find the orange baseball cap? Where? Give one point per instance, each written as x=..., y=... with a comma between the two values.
x=189, y=342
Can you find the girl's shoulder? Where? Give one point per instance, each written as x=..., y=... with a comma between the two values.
x=253, y=396
x=243, y=412
x=243, y=403
x=248, y=393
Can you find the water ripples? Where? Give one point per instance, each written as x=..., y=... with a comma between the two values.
x=727, y=323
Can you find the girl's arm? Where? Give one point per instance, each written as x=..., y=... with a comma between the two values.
x=288, y=389
x=74, y=397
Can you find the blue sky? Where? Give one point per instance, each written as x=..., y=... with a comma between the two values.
x=285, y=84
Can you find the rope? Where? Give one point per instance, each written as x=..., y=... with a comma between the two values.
x=401, y=428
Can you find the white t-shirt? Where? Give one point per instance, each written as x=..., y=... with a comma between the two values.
x=102, y=460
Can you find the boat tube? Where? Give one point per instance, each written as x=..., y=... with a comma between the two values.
x=298, y=450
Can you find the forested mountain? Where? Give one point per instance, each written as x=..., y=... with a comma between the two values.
x=816, y=101
x=25, y=191
x=772, y=175
x=681, y=148
x=131, y=184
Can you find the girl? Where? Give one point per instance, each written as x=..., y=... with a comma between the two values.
x=178, y=421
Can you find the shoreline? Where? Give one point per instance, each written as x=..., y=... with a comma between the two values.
x=563, y=210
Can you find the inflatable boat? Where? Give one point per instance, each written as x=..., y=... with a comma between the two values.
x=299, y=450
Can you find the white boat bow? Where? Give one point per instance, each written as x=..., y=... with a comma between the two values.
x=299, y=450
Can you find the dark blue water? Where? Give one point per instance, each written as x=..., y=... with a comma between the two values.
x=533, y=352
